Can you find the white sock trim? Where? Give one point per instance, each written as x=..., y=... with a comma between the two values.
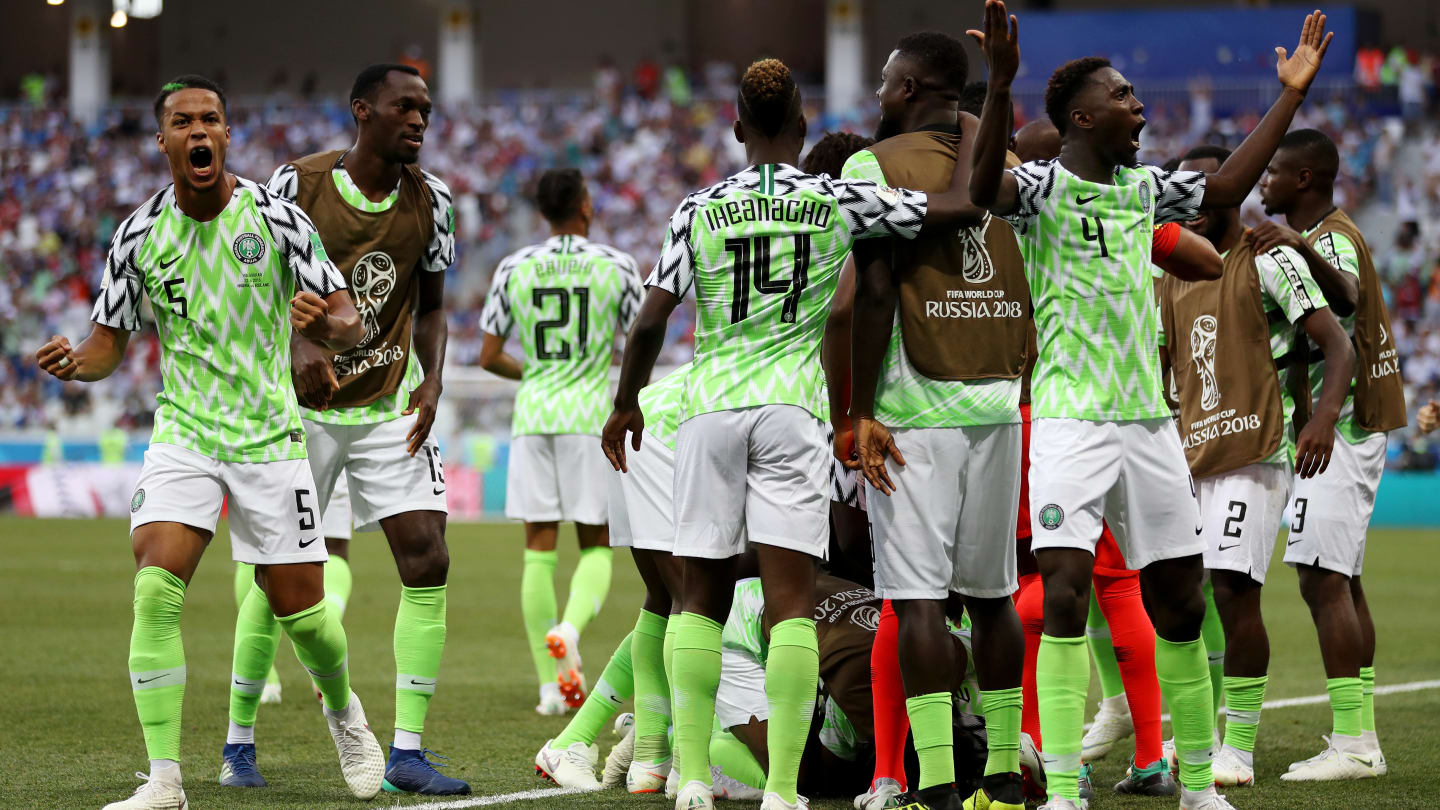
x=238, y=734
x=407, y=740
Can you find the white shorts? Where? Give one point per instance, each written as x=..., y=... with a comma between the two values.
x=642, y=501
x=273, y=509
x=338, y=517
x=1330, y=513
x=758, y=472
x=557, y=477
x=1240, y=516
x=1132, y=475
x=385, y=480
x=950, y=524
x=741, y=694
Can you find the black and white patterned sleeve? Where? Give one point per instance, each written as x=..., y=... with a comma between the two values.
x=1035, y=181
x=299, y=243
x=872, y=210
x=497, y=318
x=675, y=269
x=1177, y=194
x=440, y=252
x=284, y=183
x=118, y=304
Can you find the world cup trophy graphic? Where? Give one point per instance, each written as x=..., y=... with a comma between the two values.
x=1202, y=351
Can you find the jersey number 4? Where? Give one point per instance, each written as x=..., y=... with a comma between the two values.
x=752, y=263
x=582, y=308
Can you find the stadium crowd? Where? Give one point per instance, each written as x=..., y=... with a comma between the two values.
x=63, y=190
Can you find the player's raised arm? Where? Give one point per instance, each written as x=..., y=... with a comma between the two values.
x=1229, y=186
x=991, y=187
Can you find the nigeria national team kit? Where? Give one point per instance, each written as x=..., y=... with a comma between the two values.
x=642, y=501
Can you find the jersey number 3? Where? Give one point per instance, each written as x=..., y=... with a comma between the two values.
x=752, y=262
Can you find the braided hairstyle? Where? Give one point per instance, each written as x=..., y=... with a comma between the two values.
x=769, y=97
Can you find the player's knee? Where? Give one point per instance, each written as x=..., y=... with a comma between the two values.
x=1178, y=616
x=428, y=566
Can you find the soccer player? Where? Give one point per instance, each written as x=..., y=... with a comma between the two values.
x=1330, y=512
x=940, y=343
x=762, y=249
x=1103, y=444
x=569, y=297
x=221, y=260
x=1235, y=415
x=337, y=521
x=642, y=508
x=389, y=227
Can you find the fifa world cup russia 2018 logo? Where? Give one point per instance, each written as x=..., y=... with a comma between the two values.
x=372, y=282
x=1202, y=350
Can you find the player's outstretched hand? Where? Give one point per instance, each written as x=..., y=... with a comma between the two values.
x=313, y=374
x=1269, y=235
x=57, y=359
x=873, y=443
x=308, y=314
x=1428, y=417
x=423, y=400
x=1298, y=71
x=1313, y=447
x=999, y=41
x=612, y=437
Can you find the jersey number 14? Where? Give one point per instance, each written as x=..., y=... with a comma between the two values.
x=752, y=264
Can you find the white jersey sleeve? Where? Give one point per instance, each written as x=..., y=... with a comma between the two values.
x=1035, y=180
x=874, y=210
x=675, y=269
x=118, y=304
x=1177, y=194
x=284, y=183
x=298, y=241
x=440, y=252
x=498, y=318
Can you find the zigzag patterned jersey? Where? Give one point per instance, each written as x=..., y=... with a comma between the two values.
x=1087, y=255
x=763, y=250
x=220, y=293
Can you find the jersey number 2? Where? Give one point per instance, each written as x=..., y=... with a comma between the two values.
x=537, y=299
x=752, y=261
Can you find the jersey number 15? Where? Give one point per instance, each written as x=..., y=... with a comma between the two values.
x=752, y=262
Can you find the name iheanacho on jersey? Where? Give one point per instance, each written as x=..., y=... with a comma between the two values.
x=768, y=209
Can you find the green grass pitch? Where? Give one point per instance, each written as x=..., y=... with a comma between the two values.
x=70, y=737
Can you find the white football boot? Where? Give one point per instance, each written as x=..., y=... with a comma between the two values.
x=1112, y=724
x=572, y=767
x=361, y=760
x=157, y=793
x=1346, y=758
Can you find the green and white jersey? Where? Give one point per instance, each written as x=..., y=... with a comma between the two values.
x=745, y=626
x=763, y=250
x=906, y=398
x=1287, y=294
x=570, y=297
x=220, y=292
x=1087, y=253
x=660, y=403
x=439, y=255
x=1340, y=252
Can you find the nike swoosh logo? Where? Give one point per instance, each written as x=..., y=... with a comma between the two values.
x=1293, y=542
x=423, y=683
x=166, y=265
x=148, y=680
x=1232, y=545
x=440, y=491
x=241, y=683
x=304, y=543
x=1082, y=200
x=1366, y=761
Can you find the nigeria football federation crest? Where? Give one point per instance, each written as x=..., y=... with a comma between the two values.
x=248, y=248
x=1051, y=516
x=137, y=501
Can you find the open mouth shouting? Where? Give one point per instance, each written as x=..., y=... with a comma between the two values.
x=202, y=162
x=1135, y=135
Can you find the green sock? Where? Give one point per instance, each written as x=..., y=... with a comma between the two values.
x=419, y=643
x=1346, y=701
x=1062, y=679
x=930, y=724
x=1001, y=708
x=1367, y=698
x=672, y=626
x=537, y=605
x=791, y=672
x=319, y=641
x=652, y=690
x=616, y=685
x=257, y=635
x=337, y=583
x=1243, y=699
x=1213, y=634
x=244, y=579
x=589, y=586
x=1181, y=669
x=734, y=760
x=1102, y=651
x=157, y=660
x=696, y=677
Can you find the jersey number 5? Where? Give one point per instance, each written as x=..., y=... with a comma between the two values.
x=537, y=299
x=752, y=260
